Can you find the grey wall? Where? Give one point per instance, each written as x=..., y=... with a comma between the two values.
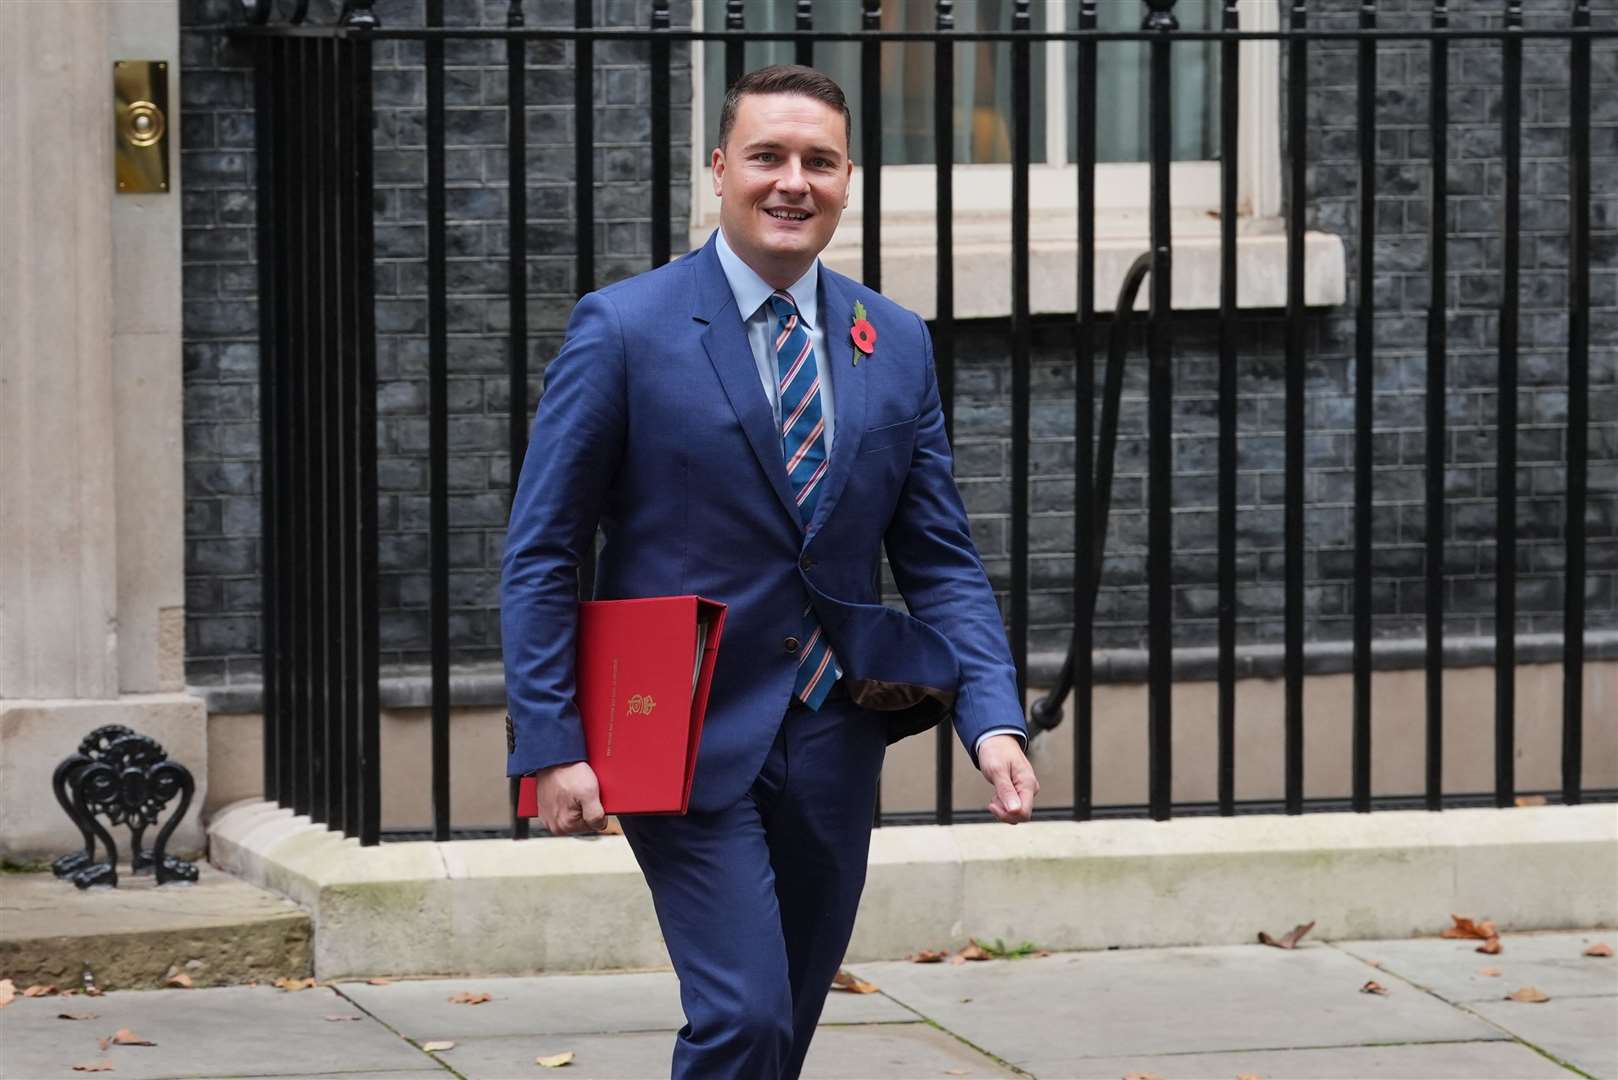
x=221, y=365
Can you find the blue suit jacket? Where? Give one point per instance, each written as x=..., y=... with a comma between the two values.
x=654, y=426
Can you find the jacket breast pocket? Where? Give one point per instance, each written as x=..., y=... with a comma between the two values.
x=889, y=435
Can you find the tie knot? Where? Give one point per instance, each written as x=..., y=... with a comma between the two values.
x=781, y=303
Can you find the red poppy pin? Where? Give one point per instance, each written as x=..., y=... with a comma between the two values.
x=863, y=333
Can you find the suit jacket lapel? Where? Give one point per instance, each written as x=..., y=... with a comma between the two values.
x=725, y=340
x=848, y=389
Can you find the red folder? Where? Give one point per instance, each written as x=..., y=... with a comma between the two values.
x=644, y=668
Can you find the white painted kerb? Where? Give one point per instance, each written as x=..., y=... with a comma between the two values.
x=493, y=907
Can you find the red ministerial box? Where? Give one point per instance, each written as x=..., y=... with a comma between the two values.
x=644, y=668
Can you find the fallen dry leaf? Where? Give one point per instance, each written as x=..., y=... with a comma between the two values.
x=7, y=992
x=1489, y=973
x=1374, y=963
x=93, y=991
x=125, y=1037
x=293, y=985
x=1600, y=948
x=75, y=1016
x=69, y=992
x=94, y=1066
x=955, y=1072
x=467, y=997
x=1490, y=947
x=435, y=1047
x=179, y=980
x=929, y=956
x=38, y=990
x=1530, y=800
x=335, y=1017
x=974, y=951
x=1466, y=928
x=846, y=980
x=555, y=1061
x=1290, y=941
x=1249, y=1076
x=1529, y=995
x=378, y=982
x=1374, y=987
x=1142, y=1076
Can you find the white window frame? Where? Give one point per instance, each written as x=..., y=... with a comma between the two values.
x=982, y=198
x=1120, y=186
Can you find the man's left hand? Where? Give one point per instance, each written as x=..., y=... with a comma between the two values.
x=1005, y=766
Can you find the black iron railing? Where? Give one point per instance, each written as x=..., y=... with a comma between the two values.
x=315, y=114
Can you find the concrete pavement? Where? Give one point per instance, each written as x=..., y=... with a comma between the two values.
x=1219, y=1011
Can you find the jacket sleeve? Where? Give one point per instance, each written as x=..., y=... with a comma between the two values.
x=574, y=451
x=939, y=573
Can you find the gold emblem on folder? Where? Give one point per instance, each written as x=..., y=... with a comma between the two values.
x=641, y=705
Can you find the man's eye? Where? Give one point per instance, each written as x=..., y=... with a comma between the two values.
x=764, y=157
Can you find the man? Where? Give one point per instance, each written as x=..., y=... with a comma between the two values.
x=732, y=426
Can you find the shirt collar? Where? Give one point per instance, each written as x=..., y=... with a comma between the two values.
x=751, y=290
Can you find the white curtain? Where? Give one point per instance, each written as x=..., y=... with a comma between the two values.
x=1123, y=82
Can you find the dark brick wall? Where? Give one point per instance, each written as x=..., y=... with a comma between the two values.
x=221, y=365
x=221, y=318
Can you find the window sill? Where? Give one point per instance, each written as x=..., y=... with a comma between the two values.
x=983, y=261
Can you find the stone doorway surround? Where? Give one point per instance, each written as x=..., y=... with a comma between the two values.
x=92, y=623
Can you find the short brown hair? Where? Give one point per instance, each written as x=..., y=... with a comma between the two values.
x=785, y=79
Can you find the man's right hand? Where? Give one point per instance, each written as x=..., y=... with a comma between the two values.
x=570, y=799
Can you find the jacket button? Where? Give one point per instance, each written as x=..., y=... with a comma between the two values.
x=790, y=644
x=805, y=563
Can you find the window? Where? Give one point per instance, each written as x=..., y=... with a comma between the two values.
x=982, y=175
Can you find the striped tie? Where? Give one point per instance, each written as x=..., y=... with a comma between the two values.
x=803, y=445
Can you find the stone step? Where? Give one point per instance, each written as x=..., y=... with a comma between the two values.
x=220, y=931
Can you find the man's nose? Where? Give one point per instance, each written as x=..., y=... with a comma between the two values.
x=792, y=178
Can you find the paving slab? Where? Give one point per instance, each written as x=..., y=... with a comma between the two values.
x=1554, y=962
x=1161, y=1001
x=220, y=930
x=230, y=1031
x=839, y=1052
x=1429, y=1061
x=557, y=1004
x=1582, y=1031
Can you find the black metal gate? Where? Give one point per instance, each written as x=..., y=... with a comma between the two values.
x=315, y=159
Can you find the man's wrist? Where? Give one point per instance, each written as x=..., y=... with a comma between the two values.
x=1016, y=733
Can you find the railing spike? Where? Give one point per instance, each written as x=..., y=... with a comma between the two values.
x=1160, y=16
x=357, y=15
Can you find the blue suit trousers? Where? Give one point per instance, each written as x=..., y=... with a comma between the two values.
x=757, y=900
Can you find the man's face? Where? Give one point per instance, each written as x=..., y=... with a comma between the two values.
x=782, y=178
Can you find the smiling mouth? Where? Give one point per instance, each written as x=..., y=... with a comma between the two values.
x=788, y=215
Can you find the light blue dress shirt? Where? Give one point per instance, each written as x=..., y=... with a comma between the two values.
x=751, y=292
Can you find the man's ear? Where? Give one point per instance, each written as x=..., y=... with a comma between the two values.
x=848, y=184
x=717, y=167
